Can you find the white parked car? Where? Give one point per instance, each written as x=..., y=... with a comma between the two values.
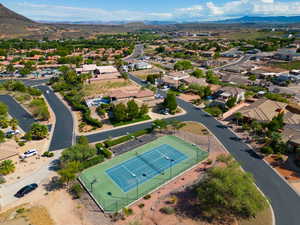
x=29, y=153
x=13, y=132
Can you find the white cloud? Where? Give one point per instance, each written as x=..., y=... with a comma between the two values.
x=206, y=11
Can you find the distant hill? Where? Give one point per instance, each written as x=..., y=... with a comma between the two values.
x=267, y=20
x=8, y=16
x=14, y=25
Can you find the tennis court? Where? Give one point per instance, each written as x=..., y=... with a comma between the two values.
x=145, y=166
x=119, y=182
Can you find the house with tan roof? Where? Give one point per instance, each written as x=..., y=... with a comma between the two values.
x=173, y=79
x=291, y=134
x=225, y=93
x=194, y=80
x=139, y=95
x=263, y=110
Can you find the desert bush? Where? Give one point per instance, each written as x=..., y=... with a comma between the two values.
x=167, y=210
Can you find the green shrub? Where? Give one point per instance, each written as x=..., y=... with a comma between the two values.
x=20, y=210
x=146, y=197
x=214, y=111
x=267, y=150
x=167, y=210
x=48, y=154
x=2, y=180
x=21, y=143
x=110, y=143
x=7, y=167
x=76, y=190
x=40, y=109
x=82, y=140
x=142, y=205
x=106, y=153
x=34, y=91
x=127, y=211
x=92, y=162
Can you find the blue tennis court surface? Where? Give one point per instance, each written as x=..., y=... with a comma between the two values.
x=143, y=167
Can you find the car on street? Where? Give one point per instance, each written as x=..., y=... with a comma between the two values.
x=29, y=153
x=26, y=190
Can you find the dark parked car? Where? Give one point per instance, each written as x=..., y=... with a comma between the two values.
x=25, y=190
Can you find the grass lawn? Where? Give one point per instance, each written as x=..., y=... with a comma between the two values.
x=103, y=87
x=132, y=121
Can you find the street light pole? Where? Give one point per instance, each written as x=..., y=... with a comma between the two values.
x=92, y=184
x=137, y=185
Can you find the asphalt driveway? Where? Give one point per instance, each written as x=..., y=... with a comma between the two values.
x=63, y=129
x=17, y=111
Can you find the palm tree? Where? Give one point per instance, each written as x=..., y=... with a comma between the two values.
x=7, y=167
x=256, y=126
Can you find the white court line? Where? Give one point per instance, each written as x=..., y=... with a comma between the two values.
x=132, y=174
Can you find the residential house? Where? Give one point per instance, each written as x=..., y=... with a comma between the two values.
x=139, y=95
x=263, y=110
x=99, y=73
x=286, y=55
x=194, y=80
x=225, y=93
x=143, y=66
x=173, y=79
x=291, y=135
x=235, y=78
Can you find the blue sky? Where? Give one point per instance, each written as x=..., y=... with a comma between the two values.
x=134, y=10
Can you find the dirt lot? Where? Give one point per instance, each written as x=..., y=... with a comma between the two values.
x=102, y=87
x=144, y=73
x=195, y=128
x=26, y=215
x=30, y=164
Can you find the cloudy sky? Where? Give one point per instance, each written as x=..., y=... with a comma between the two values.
x=133, y=10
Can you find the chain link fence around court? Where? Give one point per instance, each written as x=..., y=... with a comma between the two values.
x=111, y=203
x=202, y=141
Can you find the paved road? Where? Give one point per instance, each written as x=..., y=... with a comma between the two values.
x=285, y=202
x=63, y=130
x=30, y=82
x=238, y=62
x=18, y=112
x=137, y=52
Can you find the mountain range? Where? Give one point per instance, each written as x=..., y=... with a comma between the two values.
x=14, y=25
x=261, y=20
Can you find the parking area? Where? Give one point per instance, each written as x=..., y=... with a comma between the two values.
x=134, y=143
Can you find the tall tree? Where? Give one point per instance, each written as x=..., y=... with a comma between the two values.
x=119, y=112
x=132, y=110
x=170, y=102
